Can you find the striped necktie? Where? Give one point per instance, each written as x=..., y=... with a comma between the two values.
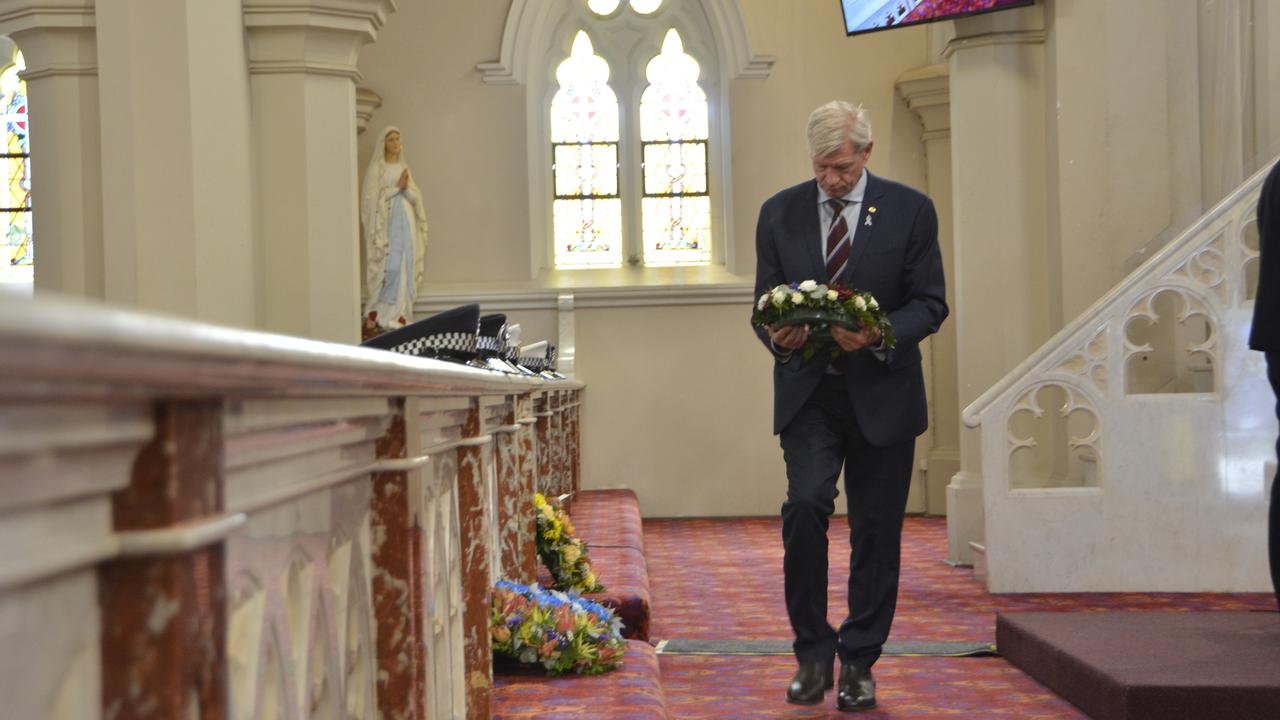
x=838, y=240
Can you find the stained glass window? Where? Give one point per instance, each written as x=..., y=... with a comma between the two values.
x=17, y=256
x=587, y=210
x=676, y=207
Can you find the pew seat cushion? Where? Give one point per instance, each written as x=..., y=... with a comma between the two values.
x=608, y=518
x=632, y=692
x=625, y=577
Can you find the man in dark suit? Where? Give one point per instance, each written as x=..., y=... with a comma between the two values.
x=859, y=412
x=1265, y=335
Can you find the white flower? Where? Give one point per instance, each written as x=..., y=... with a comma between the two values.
x=779, y=295
x=808, y=286
x=873, y=304
x=763, y=302
x=797, y=298
x=859, y=303
x=832, y=294
x=818, y=293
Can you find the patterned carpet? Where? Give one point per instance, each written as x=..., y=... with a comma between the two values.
x=742, y=560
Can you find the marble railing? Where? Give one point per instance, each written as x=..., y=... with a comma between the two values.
x=1131, y=452
x=206, y=522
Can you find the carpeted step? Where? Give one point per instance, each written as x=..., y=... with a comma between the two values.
x=608, y=518
x=633, y=692
x=1167, y=665
x=625, y=577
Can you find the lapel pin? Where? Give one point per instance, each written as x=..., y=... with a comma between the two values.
x=868, y=221
x=872, y=209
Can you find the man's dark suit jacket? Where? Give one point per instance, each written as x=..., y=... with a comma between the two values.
x=1265, y=334
x=897, y=259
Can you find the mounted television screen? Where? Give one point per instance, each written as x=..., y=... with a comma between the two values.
x=864, y=16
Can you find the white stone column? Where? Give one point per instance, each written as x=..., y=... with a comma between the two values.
x=1000, y=276
x=302, y=64
x=57, y=40
x=176, y=195
x=927, y=91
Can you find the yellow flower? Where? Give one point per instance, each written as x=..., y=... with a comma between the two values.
x=572, y=552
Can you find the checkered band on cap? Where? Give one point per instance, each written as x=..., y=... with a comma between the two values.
x=490, y=344
x=533, y=362
x=433, y=344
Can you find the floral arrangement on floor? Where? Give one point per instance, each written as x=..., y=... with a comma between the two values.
x=819, y=306
x=563, y=554
x=563, y=633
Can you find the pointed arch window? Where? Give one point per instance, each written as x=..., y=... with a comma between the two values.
x=587, y=210
x=674, y=128
x=17, y=254
x=660, y=194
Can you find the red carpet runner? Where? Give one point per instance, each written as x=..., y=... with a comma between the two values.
x=722, y=579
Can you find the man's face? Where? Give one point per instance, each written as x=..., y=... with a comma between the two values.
x=838, y=171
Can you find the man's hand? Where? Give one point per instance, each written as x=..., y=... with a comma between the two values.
x=790, y=337
x=855, y=340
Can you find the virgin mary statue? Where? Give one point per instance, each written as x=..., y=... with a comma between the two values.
x=395, y=235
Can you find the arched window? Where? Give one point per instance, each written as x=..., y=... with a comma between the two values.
x=656, y=193
x=676, y=210
x=587, y=210
x=17, y=256
x=643, y=196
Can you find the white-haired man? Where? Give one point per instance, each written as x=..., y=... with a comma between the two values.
x=860, y=412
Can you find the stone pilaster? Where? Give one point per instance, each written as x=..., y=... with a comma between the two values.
x=176, y=191
x=927, y=91
x=303, y=75
x=1001, y=274
x=165, y=615
x=476, y=585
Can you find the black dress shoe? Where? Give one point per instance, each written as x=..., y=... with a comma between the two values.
x=810, y=682
x=857, y=689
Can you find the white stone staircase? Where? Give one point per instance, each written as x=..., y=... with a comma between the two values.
x=1131, y=451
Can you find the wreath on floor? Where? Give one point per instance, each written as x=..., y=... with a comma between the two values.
x=563, y=554
x=562, y=633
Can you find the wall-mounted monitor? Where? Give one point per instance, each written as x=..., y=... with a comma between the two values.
x=864, y=16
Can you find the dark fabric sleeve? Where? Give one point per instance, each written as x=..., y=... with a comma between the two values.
x=768, y=275
x=924, y=286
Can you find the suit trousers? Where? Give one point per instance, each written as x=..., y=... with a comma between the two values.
x=1273, y=518
x=823, y=439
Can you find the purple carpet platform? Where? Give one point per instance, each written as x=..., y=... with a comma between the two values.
x=633, y=692
x=1167, y=665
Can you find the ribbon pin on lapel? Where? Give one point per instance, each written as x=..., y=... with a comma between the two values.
x=870, y=212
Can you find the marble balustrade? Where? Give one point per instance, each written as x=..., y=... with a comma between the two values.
x=1131, y=452
x=201, y=521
